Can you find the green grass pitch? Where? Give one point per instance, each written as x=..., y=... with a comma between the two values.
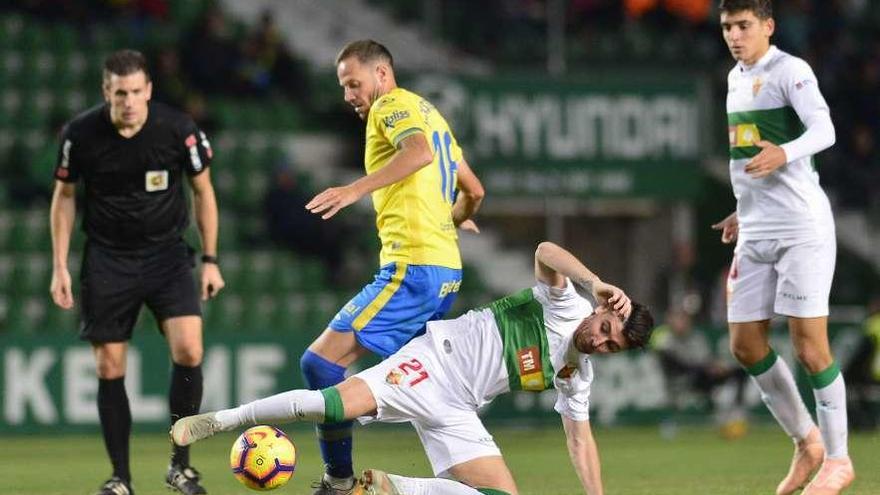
x=634, y=461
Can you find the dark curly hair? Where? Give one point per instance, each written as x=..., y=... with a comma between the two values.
x=638, y=327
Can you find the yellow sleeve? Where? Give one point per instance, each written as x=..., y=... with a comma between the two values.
x=398, y=118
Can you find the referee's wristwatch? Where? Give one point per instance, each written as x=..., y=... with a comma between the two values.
x=207, y=258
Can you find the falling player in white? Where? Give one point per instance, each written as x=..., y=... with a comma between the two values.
x=538, y=338
x=785, y=252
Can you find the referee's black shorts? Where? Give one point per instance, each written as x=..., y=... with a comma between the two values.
x=115, y=284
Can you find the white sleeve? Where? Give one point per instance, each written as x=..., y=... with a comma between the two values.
x=801, y=88
x=562, y=300
x=573, y=393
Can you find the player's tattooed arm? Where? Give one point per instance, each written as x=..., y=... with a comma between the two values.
x=554, y=264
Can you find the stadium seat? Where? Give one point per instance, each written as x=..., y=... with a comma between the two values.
x=7, y=268
x=30, y=231
x=225, y=314
x=259, y=311
x=31, y=273
x=26, y=314
x=258, y=268
x=291, y=312
x=60, y=320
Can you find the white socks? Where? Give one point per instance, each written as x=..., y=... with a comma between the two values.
x=830, y=393
x=430, y=486
x=779, y=392
x=286, y=407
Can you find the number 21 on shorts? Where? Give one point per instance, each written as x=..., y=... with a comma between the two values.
x=414, y=370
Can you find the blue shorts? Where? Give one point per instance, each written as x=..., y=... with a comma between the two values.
x=393, y=309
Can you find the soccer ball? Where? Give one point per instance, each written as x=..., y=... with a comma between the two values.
x=263, y=458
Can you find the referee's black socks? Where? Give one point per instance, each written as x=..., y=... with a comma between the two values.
x=184, y=399
x=115, y=415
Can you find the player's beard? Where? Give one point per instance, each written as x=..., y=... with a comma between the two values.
x=582, y=338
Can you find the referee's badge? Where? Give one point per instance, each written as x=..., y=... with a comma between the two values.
x=156, y=180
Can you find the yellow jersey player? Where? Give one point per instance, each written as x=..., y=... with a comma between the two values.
x=422, y=189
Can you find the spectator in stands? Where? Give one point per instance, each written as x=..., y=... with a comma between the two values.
x=170, y=85
x=862, y=374
x=691, y=367
x=292, y=226
x=677, y=284
x=267, y=65
x=210, y=55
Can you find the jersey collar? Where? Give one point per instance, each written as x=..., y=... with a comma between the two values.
x=761, y=61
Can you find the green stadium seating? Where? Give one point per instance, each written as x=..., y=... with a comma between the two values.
x=7, y=268
x=60, y=320
x=225, y=314
x=291, y=313
x=26, y=314
x=31, y=273
x=259, y=311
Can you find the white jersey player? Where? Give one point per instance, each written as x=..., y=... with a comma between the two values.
x=535, y=339
x=785, y=244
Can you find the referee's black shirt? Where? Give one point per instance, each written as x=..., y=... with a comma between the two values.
x=134, y=192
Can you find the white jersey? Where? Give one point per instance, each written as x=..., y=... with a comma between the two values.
x=521, y=342
x=778, y=100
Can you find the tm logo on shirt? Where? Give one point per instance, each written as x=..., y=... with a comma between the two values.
x=531, y=370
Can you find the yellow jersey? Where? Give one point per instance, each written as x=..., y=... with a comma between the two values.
x=414, y=216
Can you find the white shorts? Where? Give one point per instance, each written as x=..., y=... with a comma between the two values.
x=790, y=277
x=411, y=385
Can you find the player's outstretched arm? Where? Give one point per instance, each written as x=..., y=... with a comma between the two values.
x=62, y=214
x=205, y=206
x=584, y=454
x=413, y=153
x=470, y=195
x=553, y=264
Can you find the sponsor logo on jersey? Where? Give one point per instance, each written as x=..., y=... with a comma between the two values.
x=756, y=86
x=394, y=377
x=794, y=297
x=395, y=117
x=531, y=371
x=802, y=84
x=743, y=135
x=65, y=154
x=206, y=144
x=156, y=180
x=567, y=371
x=425, y=107
x=351, y=308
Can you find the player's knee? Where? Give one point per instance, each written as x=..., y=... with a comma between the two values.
x=318, y=372
x=110, y=369
x=746, y=353
x=814, y=360
x=190, y=355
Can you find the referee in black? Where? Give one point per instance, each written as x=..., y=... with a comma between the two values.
x=133, y=156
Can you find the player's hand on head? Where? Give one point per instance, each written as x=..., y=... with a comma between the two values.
x=329, y=202
x=729, y=228
x=613, y=298
x=469, y=226
x=212, y=280
x=767, y=161
x=60, y=288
